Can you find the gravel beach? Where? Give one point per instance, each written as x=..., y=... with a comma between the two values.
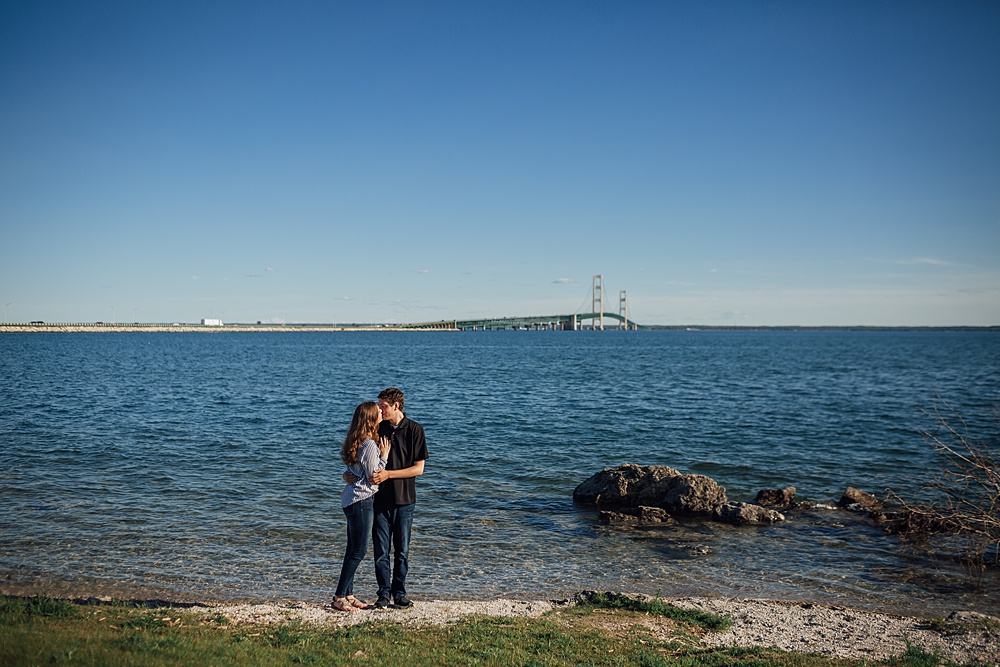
x=832, y=631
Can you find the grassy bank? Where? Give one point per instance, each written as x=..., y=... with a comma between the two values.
x=40, y=631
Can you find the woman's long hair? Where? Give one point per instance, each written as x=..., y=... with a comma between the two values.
x=364, y=425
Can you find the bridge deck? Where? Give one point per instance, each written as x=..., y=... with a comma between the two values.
x=528, y=322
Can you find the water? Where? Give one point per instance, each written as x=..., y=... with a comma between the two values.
x=205, y=466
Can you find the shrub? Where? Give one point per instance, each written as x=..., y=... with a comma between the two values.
x=962, y=502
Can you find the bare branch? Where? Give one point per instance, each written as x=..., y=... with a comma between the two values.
x=963, y=508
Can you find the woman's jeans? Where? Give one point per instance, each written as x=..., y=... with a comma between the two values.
x=359, y=529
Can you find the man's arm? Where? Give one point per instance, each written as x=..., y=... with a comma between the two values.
x=414, y=470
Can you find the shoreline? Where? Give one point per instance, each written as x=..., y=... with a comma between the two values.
x=800, y=627
x=193, y=328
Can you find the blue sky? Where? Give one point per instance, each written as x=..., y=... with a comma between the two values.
x=750, y=163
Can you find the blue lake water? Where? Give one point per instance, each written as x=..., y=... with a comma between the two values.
x=205, y=465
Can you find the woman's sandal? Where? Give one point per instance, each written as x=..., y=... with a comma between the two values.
x=343, y=604
x=356, y=603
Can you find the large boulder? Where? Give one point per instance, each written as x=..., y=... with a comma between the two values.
x=628, y=485
x=632, y=485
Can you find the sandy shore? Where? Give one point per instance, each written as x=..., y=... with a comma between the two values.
x=792, y=626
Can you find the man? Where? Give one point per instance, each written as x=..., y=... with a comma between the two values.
x=396, y=497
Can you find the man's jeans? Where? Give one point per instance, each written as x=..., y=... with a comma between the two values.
x=392, y=529
x=359, y=525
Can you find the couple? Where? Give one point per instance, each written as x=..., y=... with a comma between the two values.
x=384, y=452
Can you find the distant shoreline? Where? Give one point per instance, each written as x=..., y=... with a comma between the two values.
x=286, y=328
x=192, y=328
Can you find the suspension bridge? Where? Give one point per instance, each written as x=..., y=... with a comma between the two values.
x=571, y=322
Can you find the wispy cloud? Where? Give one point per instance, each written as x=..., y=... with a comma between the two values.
x=423, y=271
x=926, y=261
x=563, y=281
x=270, y=270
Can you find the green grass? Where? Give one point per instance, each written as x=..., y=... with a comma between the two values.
x=658, y=607
x=50, y=632
x=24, y=610
x=946, y=627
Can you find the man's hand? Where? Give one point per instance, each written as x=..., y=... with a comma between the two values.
x=350, y=477
x=380, y=476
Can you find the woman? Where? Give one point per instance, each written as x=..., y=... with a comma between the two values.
x=363, y=457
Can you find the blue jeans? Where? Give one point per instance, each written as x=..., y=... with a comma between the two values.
x=392, y=528
x=359, y=527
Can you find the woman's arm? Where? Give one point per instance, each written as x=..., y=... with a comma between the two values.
x=369, y=459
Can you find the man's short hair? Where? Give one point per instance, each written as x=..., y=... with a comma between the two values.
x=392, y=395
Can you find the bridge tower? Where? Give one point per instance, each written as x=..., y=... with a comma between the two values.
x=598, y=305
x=623, y=309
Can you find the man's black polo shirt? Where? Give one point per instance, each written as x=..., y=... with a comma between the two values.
x=408, y=446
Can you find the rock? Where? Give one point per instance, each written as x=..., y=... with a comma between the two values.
x=632, y=485
x=776, y=497
x=654, y=515
x=634, y=516
x=693, y=494
x=616, y=518
x=628, y=485
x=867, y=501
x=914, y=523
x=746, y=513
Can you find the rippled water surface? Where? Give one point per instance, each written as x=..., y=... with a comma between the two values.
x=205, y=465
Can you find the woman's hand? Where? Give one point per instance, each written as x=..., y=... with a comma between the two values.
x=384, y=445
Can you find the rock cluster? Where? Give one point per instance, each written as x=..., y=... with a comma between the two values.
x=639, y=495
x=904, y=521
x=632, y=493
